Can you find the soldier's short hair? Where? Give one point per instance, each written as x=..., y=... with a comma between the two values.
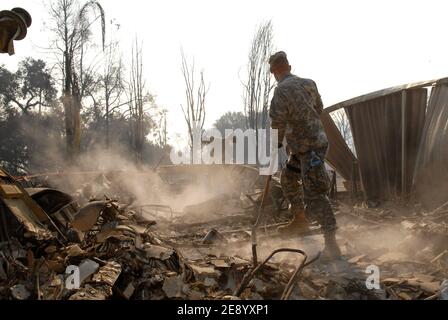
x=279, y=58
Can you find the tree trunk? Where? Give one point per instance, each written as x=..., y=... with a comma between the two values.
x=107, y=119
x=72, y=108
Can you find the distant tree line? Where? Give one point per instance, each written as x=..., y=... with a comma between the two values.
x=51, y=114
x=91, y=98
x=32, y=126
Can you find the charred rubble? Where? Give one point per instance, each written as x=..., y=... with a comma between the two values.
x=117, y=251
x=141, y=251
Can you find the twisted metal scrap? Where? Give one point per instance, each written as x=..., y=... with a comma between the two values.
x=292, y=281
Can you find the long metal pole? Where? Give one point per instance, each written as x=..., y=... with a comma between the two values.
x=257, y=222
x=273, y=164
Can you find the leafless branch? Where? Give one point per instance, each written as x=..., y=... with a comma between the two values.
x=195, y=111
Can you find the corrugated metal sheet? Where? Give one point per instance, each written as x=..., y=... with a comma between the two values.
x=386, y=92
x=431, y=171
x=339, y=155
x=377, y=133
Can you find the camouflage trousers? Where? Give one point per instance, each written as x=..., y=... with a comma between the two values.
x=305, y=182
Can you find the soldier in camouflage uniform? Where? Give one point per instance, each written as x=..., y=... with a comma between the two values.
x=295, y=112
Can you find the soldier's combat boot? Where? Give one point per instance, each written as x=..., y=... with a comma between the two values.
x=331, y=250
x=298, y=225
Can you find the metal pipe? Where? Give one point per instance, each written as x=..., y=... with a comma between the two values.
x=290, y=285
x=257, y=222
x=156, y=206
x=295, y=277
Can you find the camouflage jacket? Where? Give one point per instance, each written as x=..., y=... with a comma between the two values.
x=295, y=112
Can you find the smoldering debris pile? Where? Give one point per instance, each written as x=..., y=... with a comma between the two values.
x=116, y=255
x=405, y=245
x=53, y=248
x=390, y=252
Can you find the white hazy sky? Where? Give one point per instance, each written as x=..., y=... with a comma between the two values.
x=348, y=47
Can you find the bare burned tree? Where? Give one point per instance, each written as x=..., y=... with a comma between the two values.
x=138, y=98
x=111, y=84
x=258, y=85
x=72, y=29
x=343, y=124
x=194, y=111
x=162, y=133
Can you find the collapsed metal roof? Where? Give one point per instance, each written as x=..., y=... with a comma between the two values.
x=398, y=135
x=384, y=92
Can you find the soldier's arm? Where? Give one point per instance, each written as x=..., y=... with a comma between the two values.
x=279, y=112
